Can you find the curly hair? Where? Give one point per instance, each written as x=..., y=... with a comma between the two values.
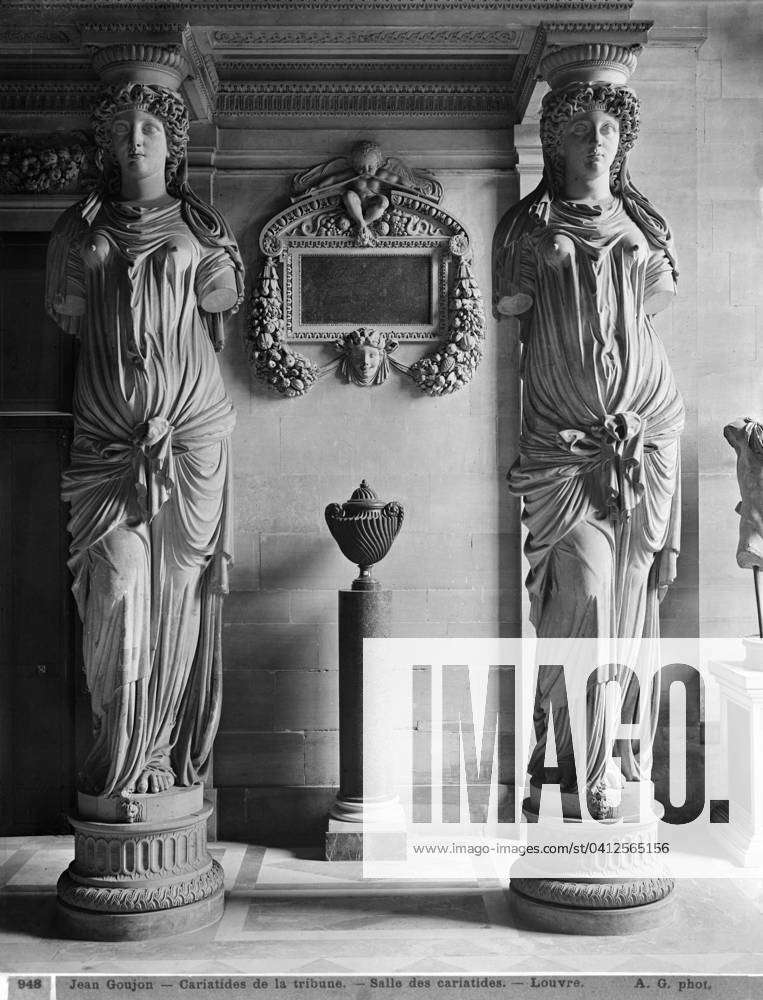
x=560, y=106
x=362, y=152
x=162, y=103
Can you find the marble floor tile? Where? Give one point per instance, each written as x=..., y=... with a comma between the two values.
x=342, y=913
x=248, y=868
x=322, y=966
x=289, y=911
x=15, y=861
x=42, y=868
x=231, y=857
x=422, y=967
x=233, y=919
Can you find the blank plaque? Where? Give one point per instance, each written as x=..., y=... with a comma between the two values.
x=363, y=289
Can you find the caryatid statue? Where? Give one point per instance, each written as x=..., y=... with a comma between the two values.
x=143, y=272
x=585, y=261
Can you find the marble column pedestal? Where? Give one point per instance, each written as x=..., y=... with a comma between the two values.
x=141, y=868
x=366, y=820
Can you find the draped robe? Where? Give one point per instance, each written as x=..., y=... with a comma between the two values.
x=149, y=487
x=599, y=466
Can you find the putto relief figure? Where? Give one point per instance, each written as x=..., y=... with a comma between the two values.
x=143, y=273
x=586, y=261
x=365, y=177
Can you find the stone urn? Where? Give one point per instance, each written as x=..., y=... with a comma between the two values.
x=364, y=527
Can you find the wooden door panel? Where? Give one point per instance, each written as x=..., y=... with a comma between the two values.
x=37, y=762
x=36, y=358
x=38, y=695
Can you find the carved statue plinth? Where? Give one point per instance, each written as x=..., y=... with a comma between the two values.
x=366, y=819
x=148, y=876
x=569, y=906
x=614, y=893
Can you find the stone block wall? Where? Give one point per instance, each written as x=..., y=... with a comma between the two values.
x=723, y=338
x=730, y=265
x=455, y=567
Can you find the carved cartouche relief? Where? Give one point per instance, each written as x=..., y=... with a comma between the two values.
x=345, y=214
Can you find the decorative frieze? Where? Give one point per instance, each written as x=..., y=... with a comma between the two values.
x=125, y=29
x=34, y=37
x=597, y=27
x=250, y=6
x=363, y=99
x=25, y=97
x=492, y=66
x=378, y=37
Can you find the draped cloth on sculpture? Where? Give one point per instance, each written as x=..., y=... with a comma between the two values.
x=599, y=451
x=746, y=437
x=149, y=487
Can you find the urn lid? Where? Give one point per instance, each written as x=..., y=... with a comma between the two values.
x=363, y=498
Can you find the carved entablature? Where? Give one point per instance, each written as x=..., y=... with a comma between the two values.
x=365, y=258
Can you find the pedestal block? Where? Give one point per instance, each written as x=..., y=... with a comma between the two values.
x=366, y=819
x=741, y=703
x=149, y=876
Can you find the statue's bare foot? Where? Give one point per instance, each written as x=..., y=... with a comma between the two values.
x=154, y=779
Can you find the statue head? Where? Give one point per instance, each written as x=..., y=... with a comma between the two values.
x=573, y=108
x=163, y=105
x=365, y=356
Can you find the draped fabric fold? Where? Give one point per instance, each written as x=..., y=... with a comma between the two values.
x=598, y=464
x=598, y=468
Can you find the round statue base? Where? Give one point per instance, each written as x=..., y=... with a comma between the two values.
x=612, y=907
x=96, y=925
x=150, y=876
